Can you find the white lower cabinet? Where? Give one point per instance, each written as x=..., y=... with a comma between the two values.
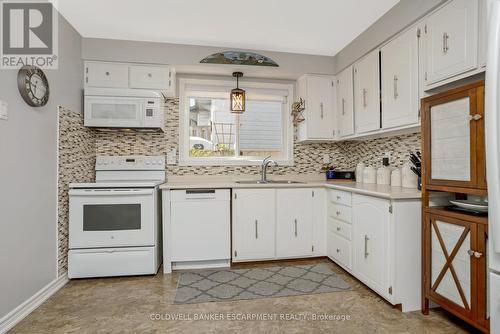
x=277, y=223
x=294, y=222
x=254, y=224
x=370, y=234
x=378, y=242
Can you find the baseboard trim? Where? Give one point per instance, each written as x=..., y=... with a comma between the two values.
x=23, y=310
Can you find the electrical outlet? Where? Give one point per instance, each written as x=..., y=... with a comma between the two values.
x=326, y=158
x=388, y=155
x=3, y=111
x=172, y=157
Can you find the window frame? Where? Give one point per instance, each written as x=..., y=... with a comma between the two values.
x=184, y=133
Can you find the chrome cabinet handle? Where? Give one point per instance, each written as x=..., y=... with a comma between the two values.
x=364, y=97
x=396, y=94
x=474, y=253
x=338, y=250
x=446, y=48
x=321, y=110
x=366, y=246
x=295, y=227
x=343, y=106
x=107, y=73
x=338, y=197
x=338, y=228
x=256, y=229
x=338, y=213
x=149, y=75
x=475, y=117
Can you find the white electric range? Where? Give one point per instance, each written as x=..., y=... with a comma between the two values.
x=114, y=223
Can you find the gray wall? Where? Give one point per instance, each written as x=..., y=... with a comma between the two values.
x=399, y=17
x=28, y=176
x=186, y=58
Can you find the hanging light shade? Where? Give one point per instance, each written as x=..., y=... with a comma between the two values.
x=237, y=96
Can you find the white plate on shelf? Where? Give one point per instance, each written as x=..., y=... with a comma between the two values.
x=470, y=205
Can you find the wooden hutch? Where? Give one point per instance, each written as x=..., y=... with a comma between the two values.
x=454, y=167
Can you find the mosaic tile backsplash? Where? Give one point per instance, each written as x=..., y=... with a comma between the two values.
x=78, y=147
x=308, y=157
x=76, y=164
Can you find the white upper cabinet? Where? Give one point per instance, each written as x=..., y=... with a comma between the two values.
x=294, y=226
x=124, y=75
x=318, y=93
x=367, y=93
x=400, y=81
x=345, y=103
x=254, y=224
x=150, y=77
x=108, y=75
x=451, y=35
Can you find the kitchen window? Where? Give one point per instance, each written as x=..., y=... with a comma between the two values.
x=211, y=135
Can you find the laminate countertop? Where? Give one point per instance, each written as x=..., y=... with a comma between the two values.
x=230, y=182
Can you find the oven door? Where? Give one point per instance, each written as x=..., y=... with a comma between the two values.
x=111, y=217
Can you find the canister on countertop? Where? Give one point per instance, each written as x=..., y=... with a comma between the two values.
x=396, y=178
x=360, y=168
x=408, y=178
x=370, y=175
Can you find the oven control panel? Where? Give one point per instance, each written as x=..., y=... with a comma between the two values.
x=131, y=162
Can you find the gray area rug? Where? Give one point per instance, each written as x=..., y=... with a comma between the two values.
x=253, y=283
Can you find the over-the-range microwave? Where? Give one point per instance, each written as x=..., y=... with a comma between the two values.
x=123, y=108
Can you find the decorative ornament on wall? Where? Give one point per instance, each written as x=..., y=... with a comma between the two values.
x=237, y=96
x=239, y=58
x=297, y=110
x=33, y=86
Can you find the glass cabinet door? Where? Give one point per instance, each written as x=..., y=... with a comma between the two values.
x=453, y=138
x=453, y=269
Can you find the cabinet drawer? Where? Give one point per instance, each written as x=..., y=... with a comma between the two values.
x=340, y=197
x=149, y=77
x=106, y=75
x=339, y=249
x=340, y=212
x=111, y=262
x=339, y=228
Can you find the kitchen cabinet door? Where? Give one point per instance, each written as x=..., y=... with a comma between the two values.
x=453, y=140
x=294, y=226
x=400, y=82
x=452, y=40
x=106, y=75
x=371, y=219
x=455, y=264
x=254, y=224
x=150, y=77
x=367, y=94
x=318, y=94
x=345, y=103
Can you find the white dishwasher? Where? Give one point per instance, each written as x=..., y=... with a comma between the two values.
x=200, y=228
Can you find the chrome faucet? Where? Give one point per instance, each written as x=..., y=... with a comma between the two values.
x=263, y=172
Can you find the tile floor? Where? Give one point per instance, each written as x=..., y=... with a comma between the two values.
x=128, y=304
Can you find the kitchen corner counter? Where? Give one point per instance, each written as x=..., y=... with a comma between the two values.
x=315, y=181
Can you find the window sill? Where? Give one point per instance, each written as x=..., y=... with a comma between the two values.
x=229, y=162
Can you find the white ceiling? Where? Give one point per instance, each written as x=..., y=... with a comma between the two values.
x=319, y=27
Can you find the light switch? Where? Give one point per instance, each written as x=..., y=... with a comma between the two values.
x=3, y=111
x=326, y=158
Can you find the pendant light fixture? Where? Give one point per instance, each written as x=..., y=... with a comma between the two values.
x=237, y=96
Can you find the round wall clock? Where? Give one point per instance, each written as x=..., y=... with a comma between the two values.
x=33, y=86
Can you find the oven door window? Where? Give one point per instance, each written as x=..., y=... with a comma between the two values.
x=111, y=217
